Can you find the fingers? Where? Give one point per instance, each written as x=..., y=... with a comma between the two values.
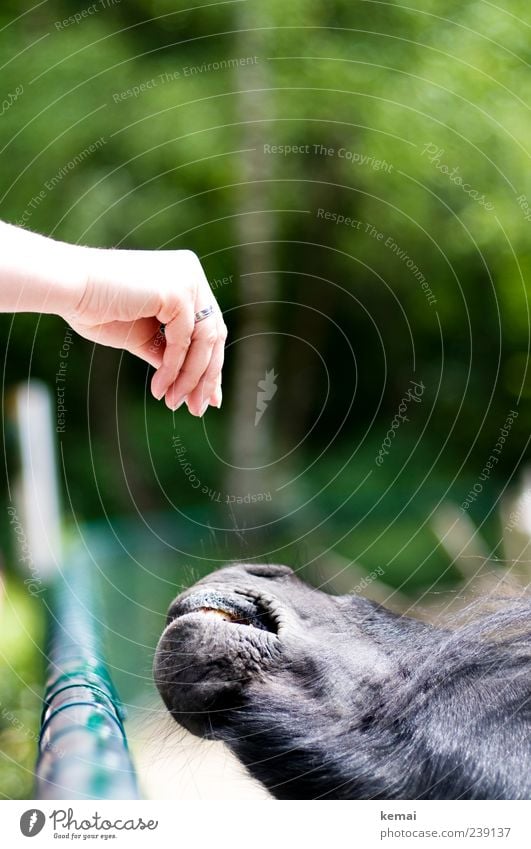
x=134, y=293
x=217, y=396
x=152, y=351
x=206, y=339
x=208, y=389
x=178, y=333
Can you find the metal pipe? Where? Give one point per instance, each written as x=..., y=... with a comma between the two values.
x=83, y=751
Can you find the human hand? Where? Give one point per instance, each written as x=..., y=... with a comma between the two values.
x=128, y=295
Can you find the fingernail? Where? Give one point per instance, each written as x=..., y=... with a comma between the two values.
x=203, y=409
x=157, y=394
x=178, y=403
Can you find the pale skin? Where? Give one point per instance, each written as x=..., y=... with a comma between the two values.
x=121, y=298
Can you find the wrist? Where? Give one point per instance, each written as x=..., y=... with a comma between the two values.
x=38, y=274
x=65, y=274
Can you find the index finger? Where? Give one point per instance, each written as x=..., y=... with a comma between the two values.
x=178, y=333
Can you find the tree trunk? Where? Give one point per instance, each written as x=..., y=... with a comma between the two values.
x=250, y=445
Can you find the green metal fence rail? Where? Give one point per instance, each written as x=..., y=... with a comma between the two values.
x=83, y=749
x=83, y=752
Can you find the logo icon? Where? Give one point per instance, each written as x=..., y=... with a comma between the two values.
x=32, y=822
x=266, y=391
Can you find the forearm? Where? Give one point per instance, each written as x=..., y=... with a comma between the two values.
x=38, y=274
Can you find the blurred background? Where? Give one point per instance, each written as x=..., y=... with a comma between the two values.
x=354, y=176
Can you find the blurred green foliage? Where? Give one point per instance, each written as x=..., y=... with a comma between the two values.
x=375, y=79
x=21, y=660
x=435, y=93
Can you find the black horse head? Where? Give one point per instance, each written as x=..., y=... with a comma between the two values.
x=337, y=697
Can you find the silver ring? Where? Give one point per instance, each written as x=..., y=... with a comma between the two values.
x=204, y=313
